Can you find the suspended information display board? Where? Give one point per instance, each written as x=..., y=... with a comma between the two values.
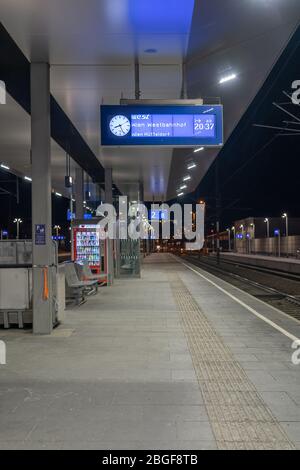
x=162, y=125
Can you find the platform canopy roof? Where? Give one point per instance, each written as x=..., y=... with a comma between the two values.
x=91, y=46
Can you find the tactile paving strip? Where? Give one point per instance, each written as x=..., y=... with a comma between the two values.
x=238, y=416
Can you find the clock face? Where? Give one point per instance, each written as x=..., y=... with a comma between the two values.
x=119, y=125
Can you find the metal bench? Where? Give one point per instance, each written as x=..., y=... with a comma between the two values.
x=85, y=273
x=77, y=290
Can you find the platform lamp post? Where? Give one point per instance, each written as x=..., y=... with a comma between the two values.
x=229, y=239
x=244, y=245
x=57, y=229
x=252, y=237
x=18, y=222
x=267, y=221
x=285, y=216
x=234, y=237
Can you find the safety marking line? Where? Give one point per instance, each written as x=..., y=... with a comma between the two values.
x=247, y=307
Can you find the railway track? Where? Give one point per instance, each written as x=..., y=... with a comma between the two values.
x=262, y=269
x=270, y=286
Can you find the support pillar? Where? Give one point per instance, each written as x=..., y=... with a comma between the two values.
x=109, y=200
x=42, y=252
x=141, y=192
x=79, y=193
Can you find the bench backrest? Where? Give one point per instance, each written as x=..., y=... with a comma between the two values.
x=70, y=273
x=86, y=270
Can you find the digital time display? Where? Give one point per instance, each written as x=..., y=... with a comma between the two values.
x=173, y=125
x=162, y=125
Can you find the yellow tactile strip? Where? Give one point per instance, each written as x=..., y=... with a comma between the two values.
x=238, y=416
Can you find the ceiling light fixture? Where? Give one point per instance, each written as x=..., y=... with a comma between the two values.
x=184, y=186
x=186, y=178
x=199, y=149
x=58, y=194
x=27, y=178
x=208, y=110
x=227, y=78
x=180, y=194
x=191, y=166
x=5, y=167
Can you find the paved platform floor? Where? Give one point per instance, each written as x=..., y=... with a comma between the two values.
x=168, y=361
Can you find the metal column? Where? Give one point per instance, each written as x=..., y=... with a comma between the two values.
x=109, y=200
x=79, y=196
x=141, y=192
x=41, y=199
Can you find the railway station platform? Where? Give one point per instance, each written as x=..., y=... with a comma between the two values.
x=175, y=360
x=289, y=265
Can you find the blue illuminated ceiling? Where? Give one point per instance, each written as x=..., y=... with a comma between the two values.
x=156, y=16
x=92, y=62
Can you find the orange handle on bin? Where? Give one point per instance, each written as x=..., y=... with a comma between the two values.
x=46, y=288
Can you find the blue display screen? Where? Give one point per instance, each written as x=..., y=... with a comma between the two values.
x=69, y=215
x=173, y=125
x=158, y=214
x=160, y=125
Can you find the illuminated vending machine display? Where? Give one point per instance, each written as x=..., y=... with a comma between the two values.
x=87, y=245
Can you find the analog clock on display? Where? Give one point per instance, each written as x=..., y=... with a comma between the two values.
x=119, y=125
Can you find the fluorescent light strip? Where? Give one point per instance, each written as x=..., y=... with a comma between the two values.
x=186, y=178
x=191, y=166
x=180, y=194
x=27, y=178
x=5, y=167
x=208, y=110
x=227, y=78
x=199, y=149
x=184, y=186
x=58, y=194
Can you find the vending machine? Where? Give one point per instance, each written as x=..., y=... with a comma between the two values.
x=89, y=245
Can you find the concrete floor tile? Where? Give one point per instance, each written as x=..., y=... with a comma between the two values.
x=292, y=429
x=194, y=430
x=174, y=413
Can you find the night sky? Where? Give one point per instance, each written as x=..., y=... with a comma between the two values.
x=259, y=170
x=12, y=208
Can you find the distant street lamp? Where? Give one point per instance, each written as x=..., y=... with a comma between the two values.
x=267, y=221
x=229, y=239
x=233, y=229
x=285, y=216
x=244, y=245
x=253, y=229
x=57, y=228
x=251, y=236
x=278, y=234
x=242, y=228
x=18, y=222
